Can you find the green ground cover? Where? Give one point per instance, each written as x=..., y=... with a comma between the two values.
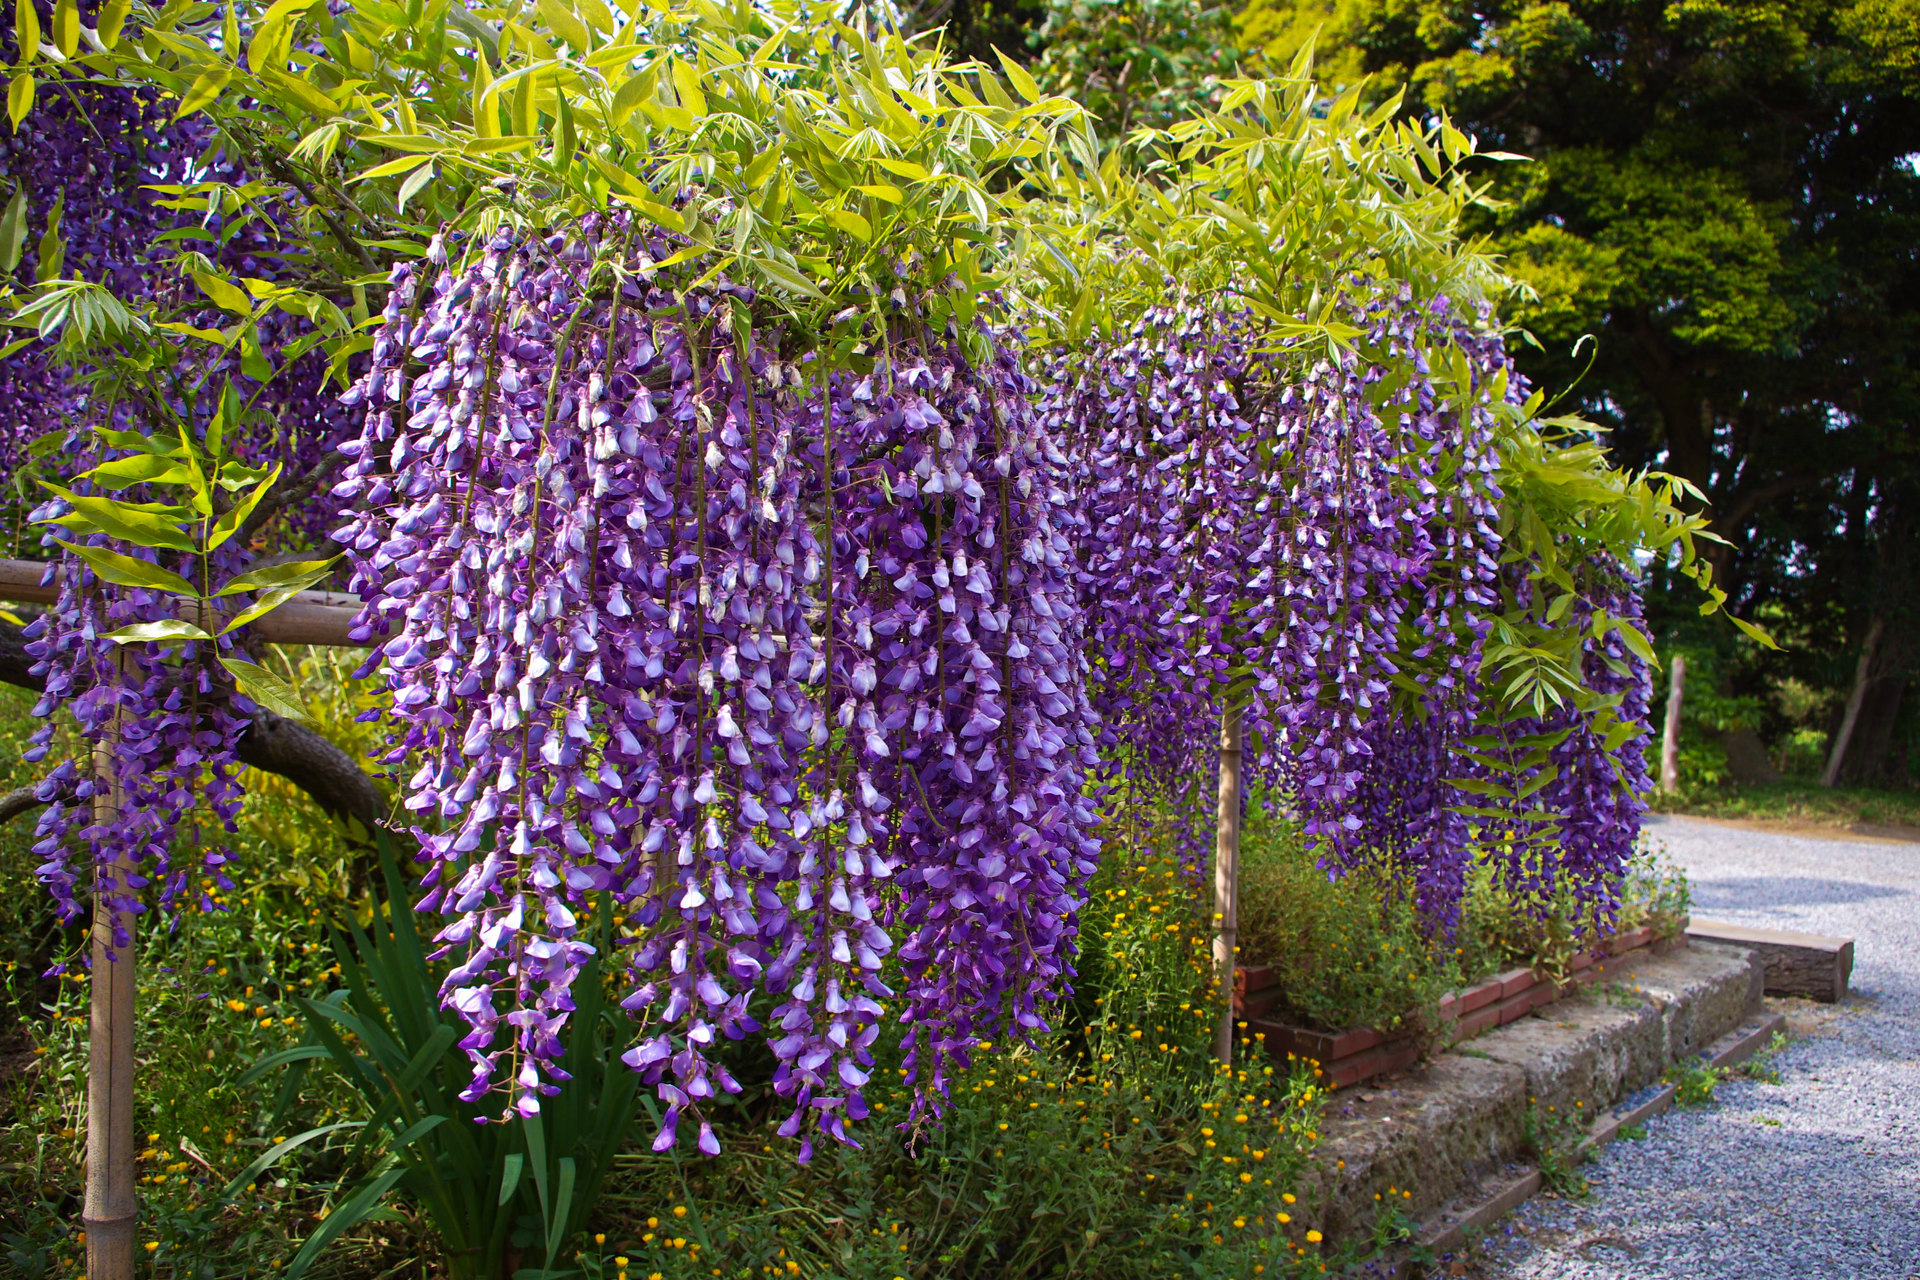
x=1798, y=800
x=1111, y=1145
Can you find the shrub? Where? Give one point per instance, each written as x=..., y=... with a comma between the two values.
x=1347, y=952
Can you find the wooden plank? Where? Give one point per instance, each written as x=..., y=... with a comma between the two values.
x=1812, y=965
x=1742, y=1045
x=1450, y=1234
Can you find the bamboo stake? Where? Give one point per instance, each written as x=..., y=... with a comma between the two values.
x=1226, y=878
x=108, y=1212
x=1670, y=734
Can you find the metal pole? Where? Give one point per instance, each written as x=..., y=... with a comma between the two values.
x=109, y=1209
x=1670, y=735
x=1226, y=878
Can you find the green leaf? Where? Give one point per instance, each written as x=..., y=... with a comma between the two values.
x=122, y=521
x=411, y=187
x=204, y=91
x=20, y=96
x=686, y=80
x=169, y=631
x=53, y=248
x=260, y=608
x=787, y=278
x=127, y=571
x=404, y=164
x=628, y=97
x=851, y=223
x=13, y=230
x=26, y=33
x=113, y=20
x=510, y=1170
x=66, y=27
x=567, y=25
x=299, y=574
x=299, y=1053
x=309, y=98
x=278, y=1152
x=236, y=515
x=1023, y=83
x=224, y=293
x=264, y=687
x=141, y=468
x=362, y=1202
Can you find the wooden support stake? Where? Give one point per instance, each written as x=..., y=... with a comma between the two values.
x=1226, y=879
x=1670, y=735
x=108, y=1212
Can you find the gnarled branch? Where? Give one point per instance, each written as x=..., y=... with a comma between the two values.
x=288, y=748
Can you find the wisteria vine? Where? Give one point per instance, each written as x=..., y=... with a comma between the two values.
x=784, y=657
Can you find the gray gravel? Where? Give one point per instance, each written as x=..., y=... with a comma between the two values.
x=1817, y=1176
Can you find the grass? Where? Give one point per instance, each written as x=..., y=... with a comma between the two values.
x=1799, y=801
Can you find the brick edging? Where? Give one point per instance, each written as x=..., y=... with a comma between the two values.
x=1361, y=1053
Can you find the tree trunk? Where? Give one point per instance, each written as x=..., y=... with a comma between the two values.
x=109, y=1209
x=1861, y=673
x=1670, y=736
x=1872, y=741
x=1226, y=878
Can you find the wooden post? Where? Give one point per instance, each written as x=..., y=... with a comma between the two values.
x=1226, y=878
x=1855, y=700
x=108, y=1212
x=1670, y=736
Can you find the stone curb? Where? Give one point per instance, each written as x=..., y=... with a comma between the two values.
x=1447, y=1130
x=1730, y=1050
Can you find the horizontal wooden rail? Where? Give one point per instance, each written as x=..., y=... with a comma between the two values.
x=312, y=617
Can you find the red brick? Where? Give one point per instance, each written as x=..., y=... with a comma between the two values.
x=1514, y=1008
x=1480, y=995
x=1480, y=1020
x=1514, y=981
x=1379, y=1060
x=1348, y=1043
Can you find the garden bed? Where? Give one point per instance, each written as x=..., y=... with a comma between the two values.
x=1361, y=1053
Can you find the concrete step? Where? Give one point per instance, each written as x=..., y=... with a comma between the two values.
x=1450, y=1125
x=1812, y=965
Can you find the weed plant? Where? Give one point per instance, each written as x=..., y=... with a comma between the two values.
x=1111, y=1147
x=1693, y=1081
x=1551, y=1139
x=1346, y=952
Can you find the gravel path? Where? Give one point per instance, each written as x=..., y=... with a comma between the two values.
x=1814, y=1178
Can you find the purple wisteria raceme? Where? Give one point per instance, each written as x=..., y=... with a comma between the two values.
x=588, y=529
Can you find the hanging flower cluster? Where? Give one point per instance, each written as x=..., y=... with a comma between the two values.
x=1314, y=537
x=781, y=656
x=162, y=727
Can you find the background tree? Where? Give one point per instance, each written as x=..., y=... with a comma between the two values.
x=1725, y=195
